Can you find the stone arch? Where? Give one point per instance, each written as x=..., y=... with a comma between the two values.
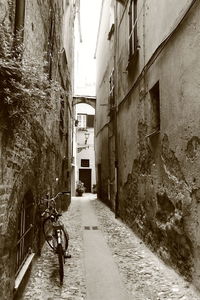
x=84, y=99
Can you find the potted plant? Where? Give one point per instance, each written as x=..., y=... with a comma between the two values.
x=94, y=188
x=80, y=189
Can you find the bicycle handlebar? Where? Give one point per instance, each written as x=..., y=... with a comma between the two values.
x=52, y=200
x=59, y=194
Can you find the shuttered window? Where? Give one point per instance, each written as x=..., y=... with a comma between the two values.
x=90, y=121
x=132, y=28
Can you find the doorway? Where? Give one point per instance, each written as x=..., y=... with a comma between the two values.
x=85, y=177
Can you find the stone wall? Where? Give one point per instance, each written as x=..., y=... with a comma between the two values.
x=34, y=154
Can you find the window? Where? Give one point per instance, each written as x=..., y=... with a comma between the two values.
x=155, y=108
x=85, y=163
x=81, y=121
x=112, y=21
x=90, y=121
x=132, y=28
x=111, y=32
x=25, y=232
x=61, y=125
x=85, y=121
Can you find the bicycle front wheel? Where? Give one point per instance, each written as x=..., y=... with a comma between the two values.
x=49, y=233
x=61, y=262
x=64, y=239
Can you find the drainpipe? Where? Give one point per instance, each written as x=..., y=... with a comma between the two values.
x=116, y=113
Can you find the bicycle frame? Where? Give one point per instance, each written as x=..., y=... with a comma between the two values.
x=58, y=237
x=58, y=231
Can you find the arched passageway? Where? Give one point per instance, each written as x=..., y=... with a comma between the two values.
x=85, y=99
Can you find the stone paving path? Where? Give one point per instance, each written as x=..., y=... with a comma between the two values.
x=103, y=280
x=144, y=275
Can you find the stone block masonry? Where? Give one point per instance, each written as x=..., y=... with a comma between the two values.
x=34, y=143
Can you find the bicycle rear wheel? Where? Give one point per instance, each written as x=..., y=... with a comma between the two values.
x=61, y=262
x=49, y=234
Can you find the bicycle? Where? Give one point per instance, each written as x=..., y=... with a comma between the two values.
x=54, y=232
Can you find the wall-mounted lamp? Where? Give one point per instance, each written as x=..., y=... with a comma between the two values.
x=87, y=134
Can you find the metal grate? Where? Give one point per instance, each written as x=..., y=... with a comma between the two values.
x=87, y=227
x=91, y=227
x=95, y=227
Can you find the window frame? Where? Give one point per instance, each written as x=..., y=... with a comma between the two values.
x=155, y=110
x=132, y=33
x=82, y=121
x=85, y=163
x=111, y=91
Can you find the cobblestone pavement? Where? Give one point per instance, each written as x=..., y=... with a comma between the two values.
x=145, y=276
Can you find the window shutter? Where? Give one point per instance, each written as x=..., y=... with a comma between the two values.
x=90, y=121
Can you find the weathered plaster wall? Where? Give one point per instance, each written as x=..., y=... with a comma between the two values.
x=168, y=15
x=155, y=20
x=159, y=185
x=105, y=65
x=104, y=143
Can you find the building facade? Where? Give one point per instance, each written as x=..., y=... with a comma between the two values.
x=36, y=67
x=84, y=144
x=105, y=115
x=147, y=124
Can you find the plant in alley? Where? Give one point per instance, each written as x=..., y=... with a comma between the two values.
x=80, y=189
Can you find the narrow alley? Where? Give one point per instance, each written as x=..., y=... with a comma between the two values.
x=99, y=119
x=102, y=245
